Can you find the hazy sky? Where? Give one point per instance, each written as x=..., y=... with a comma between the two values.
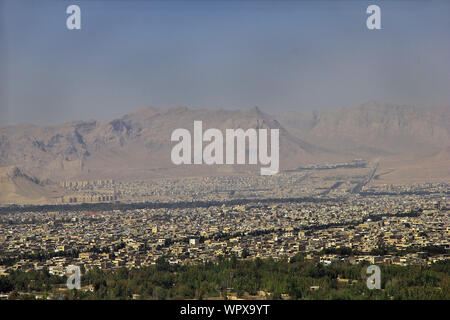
x=278, y=55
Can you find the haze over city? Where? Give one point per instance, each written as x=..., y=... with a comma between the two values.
x=277, y=55
x=134, y=158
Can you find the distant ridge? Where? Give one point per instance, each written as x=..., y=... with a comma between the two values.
x=19, y=187
x=137, y=145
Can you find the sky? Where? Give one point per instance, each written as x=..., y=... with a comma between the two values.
x=277, y=55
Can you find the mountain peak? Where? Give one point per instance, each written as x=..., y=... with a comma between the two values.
x=178, y=109
x=148, y=110
x=255, y=110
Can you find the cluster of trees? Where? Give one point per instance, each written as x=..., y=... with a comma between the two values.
x=382, y=250
x=430, y=250
x=9, y=260
x=28, y=282
x=294, y=279
x=109, y=206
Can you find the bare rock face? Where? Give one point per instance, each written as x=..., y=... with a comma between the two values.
x=138, y=146
x=375, y=129
x=18, y=187
x=133, y=146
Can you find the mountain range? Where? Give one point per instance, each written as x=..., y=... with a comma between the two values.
x=138, y=146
